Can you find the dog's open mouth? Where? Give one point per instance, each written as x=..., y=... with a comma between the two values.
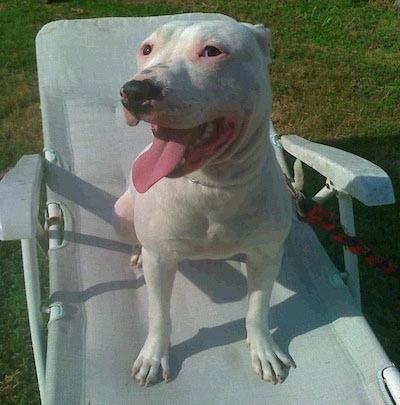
x=176, y=152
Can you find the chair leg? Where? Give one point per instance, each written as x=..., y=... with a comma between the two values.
x=33, y=297
x=350, y=260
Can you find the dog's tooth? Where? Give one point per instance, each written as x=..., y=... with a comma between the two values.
x=207, y=132
x=182, y=162
x=209, y=129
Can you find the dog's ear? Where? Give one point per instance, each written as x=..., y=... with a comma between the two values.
x=263, y=37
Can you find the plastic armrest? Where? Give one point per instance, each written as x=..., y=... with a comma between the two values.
x=352, y=174
x=19, y=199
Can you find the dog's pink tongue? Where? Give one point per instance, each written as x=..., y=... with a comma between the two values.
x=164, y=155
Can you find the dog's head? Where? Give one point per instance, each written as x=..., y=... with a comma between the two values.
x=202, y=86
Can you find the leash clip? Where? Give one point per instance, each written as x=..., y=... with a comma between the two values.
x=297, y=196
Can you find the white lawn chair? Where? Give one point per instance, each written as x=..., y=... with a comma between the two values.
x=98, y=308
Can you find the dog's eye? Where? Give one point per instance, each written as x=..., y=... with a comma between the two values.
x=209, y=51
x=146, y=50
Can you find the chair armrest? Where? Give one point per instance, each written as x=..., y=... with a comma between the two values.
x=19, y=199
x=352, y=174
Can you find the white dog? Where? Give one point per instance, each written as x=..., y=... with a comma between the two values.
x=209, y=186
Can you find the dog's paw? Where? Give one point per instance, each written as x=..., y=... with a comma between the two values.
x=147, y=365
x=136, y=257
x=268, y=360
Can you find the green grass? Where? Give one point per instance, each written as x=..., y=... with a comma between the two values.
x=336, y=80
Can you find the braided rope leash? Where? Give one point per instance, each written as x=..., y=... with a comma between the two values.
x=316, y=215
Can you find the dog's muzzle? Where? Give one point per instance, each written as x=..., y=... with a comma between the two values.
x=137, y=95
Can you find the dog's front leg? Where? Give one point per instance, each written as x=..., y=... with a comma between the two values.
x=268, y=360
x=159, y=276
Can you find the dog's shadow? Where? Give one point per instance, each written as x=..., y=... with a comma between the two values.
x=298, y=314
x=222, y=283
x=205, y=339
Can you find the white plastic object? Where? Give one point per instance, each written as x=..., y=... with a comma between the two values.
x=19, y=202
x=354, y=175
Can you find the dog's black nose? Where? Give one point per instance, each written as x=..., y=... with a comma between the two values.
x=137, y=95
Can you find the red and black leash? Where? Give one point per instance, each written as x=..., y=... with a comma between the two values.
x=318, y=216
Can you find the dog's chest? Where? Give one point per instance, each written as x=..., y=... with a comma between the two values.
x=193, y=222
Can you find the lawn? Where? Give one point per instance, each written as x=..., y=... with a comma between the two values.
x=336, y=80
